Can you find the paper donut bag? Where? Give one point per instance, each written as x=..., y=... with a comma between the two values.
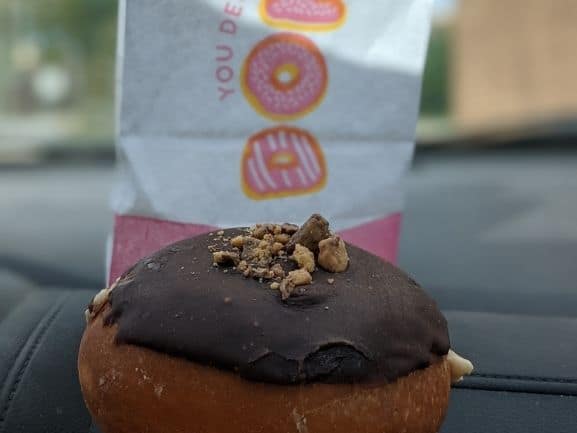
x=232, y=112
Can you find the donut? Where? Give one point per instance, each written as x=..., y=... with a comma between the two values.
x=284, y=77
x=303, y=15
x=196, y=337
x=280, y=162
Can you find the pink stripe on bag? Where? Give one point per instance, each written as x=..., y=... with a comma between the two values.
x=380, y=237
x=136, y=237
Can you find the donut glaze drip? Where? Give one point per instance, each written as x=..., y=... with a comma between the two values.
x=374, y=324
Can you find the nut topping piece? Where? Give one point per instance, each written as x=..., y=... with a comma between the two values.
x=225, y=258
x=262, y=252
x=314, y=230
x=299, y=277
x=304, y=258
x=333, y=256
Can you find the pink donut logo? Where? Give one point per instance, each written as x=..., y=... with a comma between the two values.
x=284, y=77
x=305, y=15
x=282, y=162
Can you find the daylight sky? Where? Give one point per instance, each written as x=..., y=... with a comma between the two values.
x=443, y=7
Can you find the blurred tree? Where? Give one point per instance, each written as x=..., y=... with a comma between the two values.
x=434, y=99
x=58, y=58
x=87, y=27
x=83, y=19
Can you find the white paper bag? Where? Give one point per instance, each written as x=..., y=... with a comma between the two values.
x=233, y=112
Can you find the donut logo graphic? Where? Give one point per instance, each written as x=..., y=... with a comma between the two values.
x=284, y=77
x=304, y=15
x=281, y=162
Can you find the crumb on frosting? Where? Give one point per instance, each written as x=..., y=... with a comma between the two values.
x=262, y=251
x=225, y=258
x=333, y=256
x=304, y=258
x=237, y=241
x=298, y=277
x=314, y=230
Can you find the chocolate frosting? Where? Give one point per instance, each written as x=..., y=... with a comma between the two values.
x=373, y=324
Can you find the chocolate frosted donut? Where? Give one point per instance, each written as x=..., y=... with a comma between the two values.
x=370, y=326
x=373, y=323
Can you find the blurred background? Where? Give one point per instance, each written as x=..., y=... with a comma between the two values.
x=486, y=73
x=496, y=140
x=56, y=79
